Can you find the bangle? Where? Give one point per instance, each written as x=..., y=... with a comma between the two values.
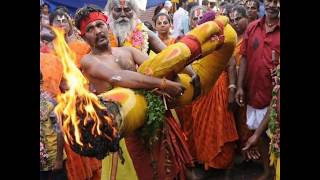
x=232, y=86
x=163, y=84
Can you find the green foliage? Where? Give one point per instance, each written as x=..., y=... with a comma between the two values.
x=154, y=118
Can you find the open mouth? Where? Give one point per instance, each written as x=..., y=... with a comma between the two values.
x=101, y=39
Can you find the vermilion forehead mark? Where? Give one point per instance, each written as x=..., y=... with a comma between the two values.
x=122, y=3
x=162, y=18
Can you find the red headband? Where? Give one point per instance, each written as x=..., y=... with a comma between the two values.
x=93, y=16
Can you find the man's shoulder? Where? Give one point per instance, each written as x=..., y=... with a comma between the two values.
x=86, y=60
x=253, y=25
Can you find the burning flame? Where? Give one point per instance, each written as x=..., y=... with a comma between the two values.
x=77, y=101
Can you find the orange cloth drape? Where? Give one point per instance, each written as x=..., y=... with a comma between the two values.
x=52, y=72
x=80, y=167
x=80, y=48
x=214, y=128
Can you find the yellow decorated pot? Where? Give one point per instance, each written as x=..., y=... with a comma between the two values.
x=133, y=108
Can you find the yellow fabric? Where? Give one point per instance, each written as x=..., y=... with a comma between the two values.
x=210, y=67
x=125, y=171
x=152, y=54
x=208, y=29
x=133, y=108
x=170, y=60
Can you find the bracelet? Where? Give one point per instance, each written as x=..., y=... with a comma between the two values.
x=232, y=86
x=163, y=84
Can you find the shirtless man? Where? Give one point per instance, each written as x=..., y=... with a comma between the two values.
x=106, y=66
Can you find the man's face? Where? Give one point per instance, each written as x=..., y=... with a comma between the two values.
x=96, y=34
x=272, y=8
x=238, y=22
x=252, y=8
x=224, y=12
x=212, y=4
x=195, y=17
x=121, y=11
x=45, y=9
x=162, y=24
x=62, y=22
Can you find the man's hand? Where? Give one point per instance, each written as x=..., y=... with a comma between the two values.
x=58, y=165
x=195, y=81
x=250, y=148
x=231, y=99
x=173, y=88
x=239, y=97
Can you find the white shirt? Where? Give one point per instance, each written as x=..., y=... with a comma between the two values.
x=180, y=22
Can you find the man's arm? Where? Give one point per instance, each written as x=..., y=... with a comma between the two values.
x=242, y=72
x=155, y=42
x=128, y=79
x=195, y=80
x=232, y=74
x=253, y=140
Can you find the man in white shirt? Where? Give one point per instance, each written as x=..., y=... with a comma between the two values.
x=167, y=7
x=181, y=19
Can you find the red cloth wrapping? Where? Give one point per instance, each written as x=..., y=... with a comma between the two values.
x=194, y=46
x=93, y=16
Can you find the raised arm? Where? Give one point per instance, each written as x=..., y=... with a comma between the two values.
x=155, y=42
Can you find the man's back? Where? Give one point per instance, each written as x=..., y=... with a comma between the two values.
x=180, y=22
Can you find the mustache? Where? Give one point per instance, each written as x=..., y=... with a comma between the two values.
x=272, y=9
x=122, y=19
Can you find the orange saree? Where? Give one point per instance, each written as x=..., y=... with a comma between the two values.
x=214, y=128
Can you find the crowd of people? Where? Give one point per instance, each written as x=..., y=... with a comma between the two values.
x=239, y=117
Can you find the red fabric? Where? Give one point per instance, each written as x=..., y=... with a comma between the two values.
x=170, y=154
x=93, y=16
x=194, y=46
x=185, y=118
x=45, y=49
x=256, y=48
x=214, y=128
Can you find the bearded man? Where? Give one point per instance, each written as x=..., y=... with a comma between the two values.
x=128, y=30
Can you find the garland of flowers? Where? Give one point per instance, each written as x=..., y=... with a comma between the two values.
x=154, y=118
x=138, y=38
x=274, y=123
